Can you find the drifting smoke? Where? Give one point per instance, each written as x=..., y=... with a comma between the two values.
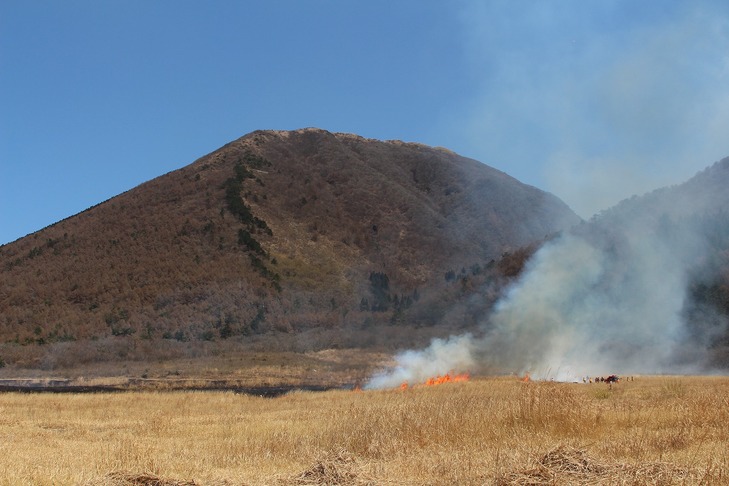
x=609, y=297
x=577, y=311
x=455, y=353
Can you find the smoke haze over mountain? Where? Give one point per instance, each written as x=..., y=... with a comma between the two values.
x=615, y=98
x=610, y=296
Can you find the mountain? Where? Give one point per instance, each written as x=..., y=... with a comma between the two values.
x=298, y=239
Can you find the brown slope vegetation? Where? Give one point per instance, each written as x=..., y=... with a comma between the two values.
x=280, y=233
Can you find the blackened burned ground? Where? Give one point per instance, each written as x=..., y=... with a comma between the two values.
x=60, y=386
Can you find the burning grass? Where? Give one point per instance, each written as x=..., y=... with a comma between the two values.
x=483, y=431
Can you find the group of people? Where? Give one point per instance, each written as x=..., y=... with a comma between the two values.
x=605, y=379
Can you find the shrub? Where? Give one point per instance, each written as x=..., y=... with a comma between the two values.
x=245, y=238
x=208, y=335
x=226, y=331
x=181, y=336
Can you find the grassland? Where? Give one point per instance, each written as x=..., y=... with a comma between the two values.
x=654, y=430
x=216, y=367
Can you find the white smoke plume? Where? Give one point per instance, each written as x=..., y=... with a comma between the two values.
x=578, y=312
x=608, y=297
x=441, y=357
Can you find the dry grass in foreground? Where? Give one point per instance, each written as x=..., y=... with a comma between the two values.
x=659, y=430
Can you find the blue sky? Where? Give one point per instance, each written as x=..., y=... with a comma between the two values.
x=592, y=100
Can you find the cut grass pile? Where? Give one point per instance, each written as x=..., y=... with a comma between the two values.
x=568, y=465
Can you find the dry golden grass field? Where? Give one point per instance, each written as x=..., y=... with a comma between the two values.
x=654, y=430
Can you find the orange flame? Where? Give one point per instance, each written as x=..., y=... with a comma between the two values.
x=436, y=380
x=526, y=378
x=447, y=378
